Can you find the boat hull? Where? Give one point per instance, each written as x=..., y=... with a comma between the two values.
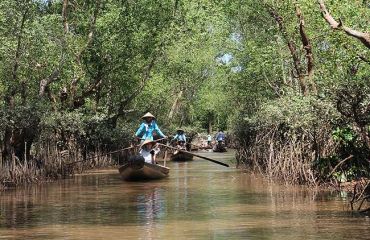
x=181, y=157
x=141, y=171
x=219, y=147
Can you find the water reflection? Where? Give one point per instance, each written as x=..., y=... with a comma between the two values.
x=150, y=205
x=199, y=200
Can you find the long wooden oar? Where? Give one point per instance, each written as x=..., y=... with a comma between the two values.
x=121, y=150
x=83, y=160
x=196, y=155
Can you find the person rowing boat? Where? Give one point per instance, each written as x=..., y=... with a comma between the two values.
x=148, y=128
x=180, y=144
x=180, y=139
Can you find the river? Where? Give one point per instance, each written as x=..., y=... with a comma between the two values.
x=200, y=200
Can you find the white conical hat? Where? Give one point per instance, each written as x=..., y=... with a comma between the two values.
x=148, y=114
x=146, y=142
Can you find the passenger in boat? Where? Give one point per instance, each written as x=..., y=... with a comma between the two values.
x=220, y=136
x=220, y=142
x=149, y=150
x=149, y=128
x=180, y=135
x=180, y=138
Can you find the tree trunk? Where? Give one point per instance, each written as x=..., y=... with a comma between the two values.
x=175, y=105
x=8, y=150
x=307, y=46
x=65, y=16
x=209, y=126
x=299, y=73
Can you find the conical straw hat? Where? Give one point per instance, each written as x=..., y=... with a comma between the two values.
x=180, y=129
x=148, y=114
x=146, y=142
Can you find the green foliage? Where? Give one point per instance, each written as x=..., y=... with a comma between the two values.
x=68, y=123
x=84, y=129
x=87, y=73
x=344, y=136
x=267, y=95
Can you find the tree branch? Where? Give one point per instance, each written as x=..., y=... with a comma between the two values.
x=44, y=83
x=9, y=96
x=292, y=48
x=92, y=88
x=19, y=43
x=308, y=48
x=363, y=58
x=364, y=37
x=64, y=16
x=90, y=36
x=340, y=163
x=176, y=5
x=123, y=104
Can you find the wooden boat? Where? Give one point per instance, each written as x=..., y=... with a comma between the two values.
x=219, y=147
x=138, y=170
x=181, y=156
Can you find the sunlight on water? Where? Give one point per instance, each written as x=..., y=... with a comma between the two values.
x=200, y=200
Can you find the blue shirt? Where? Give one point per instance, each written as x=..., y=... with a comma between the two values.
x=180, y=137
x=146, y=130
x=220, y=136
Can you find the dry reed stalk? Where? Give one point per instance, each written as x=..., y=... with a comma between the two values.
x=49, y=163
x=288, y=157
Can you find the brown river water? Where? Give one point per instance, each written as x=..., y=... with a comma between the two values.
x=200, y=200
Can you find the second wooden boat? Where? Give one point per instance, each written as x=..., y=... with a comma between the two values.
x=181, y=156
x=138, y=170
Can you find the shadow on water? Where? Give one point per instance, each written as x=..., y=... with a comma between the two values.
x=198, y=200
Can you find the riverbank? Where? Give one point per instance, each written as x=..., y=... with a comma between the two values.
x=357, y=190
x=30, y=172
x=310, y=141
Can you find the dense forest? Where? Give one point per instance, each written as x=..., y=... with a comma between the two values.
x=289, y=80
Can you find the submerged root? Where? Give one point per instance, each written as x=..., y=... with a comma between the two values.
x=54, y=165
x=286, y=156
x=360, y=201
